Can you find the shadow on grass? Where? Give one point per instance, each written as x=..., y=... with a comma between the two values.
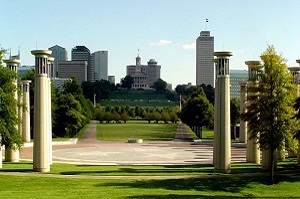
x=17, y=167
x=173, y=196
x=228, y=184
x=144, y=170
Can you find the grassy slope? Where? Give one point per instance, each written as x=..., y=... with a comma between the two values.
x=136, y=129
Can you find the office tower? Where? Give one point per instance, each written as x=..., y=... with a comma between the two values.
x=60, y=54
x=77, y=69
x=82, y=53
x=237, y=76
x=204, y=59
x=99, y=62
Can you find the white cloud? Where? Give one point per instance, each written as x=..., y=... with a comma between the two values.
x=161, y=43
x=189, y=46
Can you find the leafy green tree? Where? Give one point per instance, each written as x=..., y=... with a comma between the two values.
x=160, y=85
x=125, y=117
x=165, y=117
x=270, y=113
x=209, y=92
x=72, y=87
x=99, y=114
x=70, y=115
x=197, y=111
x=173, y=117
x=10, y=136
x=234, y=115
x=127, y=82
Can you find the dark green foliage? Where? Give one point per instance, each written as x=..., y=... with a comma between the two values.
x=160, y=85
x=234, y=115
x=270, y=112
x=127, y=82
x=10, y=136
x=197, y=111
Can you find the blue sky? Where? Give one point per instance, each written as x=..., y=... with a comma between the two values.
x=165, y=30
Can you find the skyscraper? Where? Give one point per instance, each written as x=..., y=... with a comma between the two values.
x=99, y=62
x=82, y=53
x=60, y=54
x=204, y=59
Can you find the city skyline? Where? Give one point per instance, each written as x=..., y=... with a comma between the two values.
x=162, y=30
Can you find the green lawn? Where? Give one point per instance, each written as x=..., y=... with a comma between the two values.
x=197, y=182
x=136, y=129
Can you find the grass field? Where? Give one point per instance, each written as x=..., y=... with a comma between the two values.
x=134, y=182
x=136, y=129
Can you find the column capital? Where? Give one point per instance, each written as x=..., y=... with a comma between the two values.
x=41, y=53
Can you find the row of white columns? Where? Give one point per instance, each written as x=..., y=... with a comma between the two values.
x=252, y=147
x=42, y=147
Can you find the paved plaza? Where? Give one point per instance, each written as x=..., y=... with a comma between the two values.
x=88, y=150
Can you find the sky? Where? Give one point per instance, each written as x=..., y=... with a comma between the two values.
x=165, y=30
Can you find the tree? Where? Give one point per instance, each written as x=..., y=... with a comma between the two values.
x=270, y=113
x=234, y=115
x=209, y=92
x=72, y=87
x=197, y=111
x=69, y=114
x=10, y=136
x=127, y=82
x=160, y=85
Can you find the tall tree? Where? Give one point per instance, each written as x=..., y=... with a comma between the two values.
x=127, y=82
x=9, y=121
x=160, y=85
x=197, y=111
x=270, y=113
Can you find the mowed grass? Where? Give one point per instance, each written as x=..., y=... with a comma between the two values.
x=202, y=184
x=136, y=129
x=198, y=181
x=237, y=187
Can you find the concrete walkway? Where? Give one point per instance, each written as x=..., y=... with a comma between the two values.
x=89, y=150
x=182, y=134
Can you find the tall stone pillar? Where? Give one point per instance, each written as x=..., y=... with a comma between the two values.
x=252, y=147
x=20, y=108
x=222, y=142
x=12, y=155
x=26, y=111
x=295, y=71
x=41, y=114
x=50, y=68
x=243, y=124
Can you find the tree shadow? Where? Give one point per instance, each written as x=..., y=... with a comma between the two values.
x=221, y=183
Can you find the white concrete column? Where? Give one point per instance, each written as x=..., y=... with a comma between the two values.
x=20, y=108
x=26, y=112
x=243, y=124
x=41, y=114
x=295, y=71
x=50, y=66
x=252, y=147
x=12, y=155
x=222, y=142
